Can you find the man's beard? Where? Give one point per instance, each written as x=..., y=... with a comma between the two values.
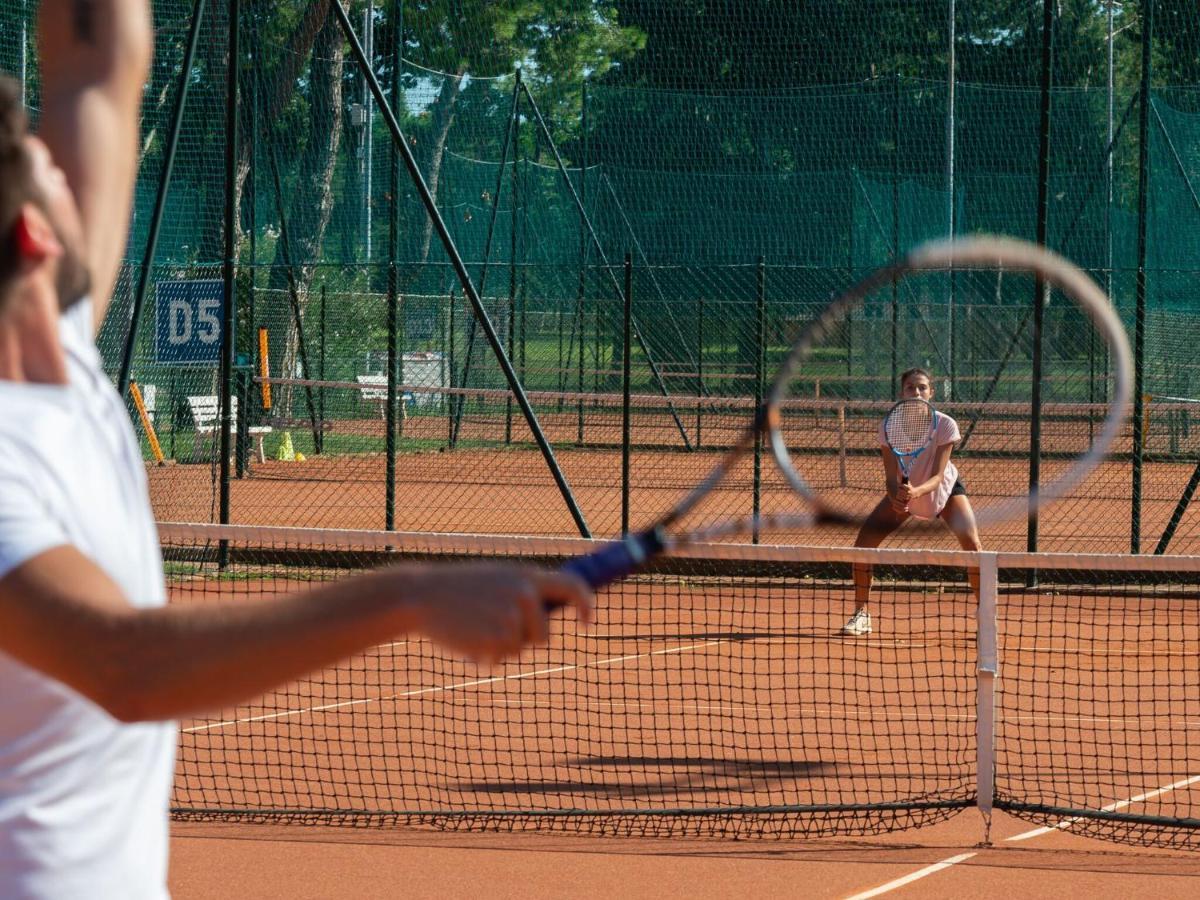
x=74, y=280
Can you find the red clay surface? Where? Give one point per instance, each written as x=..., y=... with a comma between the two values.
x=689, y=696
x=497, y=491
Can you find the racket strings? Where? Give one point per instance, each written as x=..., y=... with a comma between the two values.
x=908, y=426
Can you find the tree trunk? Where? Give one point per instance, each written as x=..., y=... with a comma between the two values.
x=276, y=90
x=443, y=118
x=311, y=205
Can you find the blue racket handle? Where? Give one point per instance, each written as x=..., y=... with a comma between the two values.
x=614, y=561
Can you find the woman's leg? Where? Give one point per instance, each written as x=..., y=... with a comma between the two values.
x=958, y=514
x=883, y=520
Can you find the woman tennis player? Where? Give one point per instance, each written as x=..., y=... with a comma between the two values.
x=932, y=489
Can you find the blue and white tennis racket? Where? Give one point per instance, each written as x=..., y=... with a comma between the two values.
x=914, y=421
x=909, y=429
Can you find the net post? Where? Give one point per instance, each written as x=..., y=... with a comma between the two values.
x=987, y=671
x=760, y=309
x=626, y=377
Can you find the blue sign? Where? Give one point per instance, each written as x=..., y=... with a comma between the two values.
x=188, y=319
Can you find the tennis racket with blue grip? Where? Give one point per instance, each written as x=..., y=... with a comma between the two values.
x=915, y=422
x=909, y=429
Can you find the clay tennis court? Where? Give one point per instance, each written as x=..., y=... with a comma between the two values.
x=713, y=693
x=510, y=491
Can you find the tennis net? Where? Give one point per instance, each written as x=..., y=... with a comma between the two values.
x=715, y=695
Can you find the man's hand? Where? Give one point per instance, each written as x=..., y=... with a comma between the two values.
x=490, y=611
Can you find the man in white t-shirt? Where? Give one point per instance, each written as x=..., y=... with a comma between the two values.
x=933, y=491
x=93, y=665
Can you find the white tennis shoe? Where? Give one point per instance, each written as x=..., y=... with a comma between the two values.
x=860, y=623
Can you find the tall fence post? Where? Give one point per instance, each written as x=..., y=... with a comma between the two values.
x=699, y=363
x=1139, y=322
x=895, y=234
x=583, y=248
x=395, y=346
x=517, y=196
x=1040, y=288
x=322, y=348
x=760, y=311
x=626, y=391
x=228, y=332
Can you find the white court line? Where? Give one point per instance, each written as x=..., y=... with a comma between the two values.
x=1112, y=807
x=911, y=877
x=1036, y=832
x=477, y=682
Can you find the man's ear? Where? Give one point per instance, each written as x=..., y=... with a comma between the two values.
x=34, y=237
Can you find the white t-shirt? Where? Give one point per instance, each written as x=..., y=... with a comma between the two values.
x=929, y=506
x=83, y=797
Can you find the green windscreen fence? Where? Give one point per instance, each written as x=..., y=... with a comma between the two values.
x=729, y=149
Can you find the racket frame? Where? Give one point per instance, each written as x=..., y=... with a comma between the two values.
x=620, y=558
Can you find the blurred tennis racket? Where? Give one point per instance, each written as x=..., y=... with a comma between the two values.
x=914, y=422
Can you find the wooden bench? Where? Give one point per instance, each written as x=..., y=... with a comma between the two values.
x=205, y=409
x=373, y=388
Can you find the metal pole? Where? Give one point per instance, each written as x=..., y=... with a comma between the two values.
x=464, y=277
x=626, y=379
x=293, y=293
x=395, y=347
x=951, y=224
x=255, y=402
x=583, y=248
x=512, y=274
x=760, y=308
x=228, y=333
x=369, y=119
x=895, y=234
x=320, y=446
x=160, y=200
x=849, y=280
x=699, y=362
x=1040, y=289
x=451, y=420
x=510, y=135
x=1139, y=328
x=655, y=374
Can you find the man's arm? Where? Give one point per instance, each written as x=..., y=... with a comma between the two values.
x=60, y=614
x=94, y=57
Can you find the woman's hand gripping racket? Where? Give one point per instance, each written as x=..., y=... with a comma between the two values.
x=909, y=429
x=990, y=261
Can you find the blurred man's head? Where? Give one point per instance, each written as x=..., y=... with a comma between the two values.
x=39, y=220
